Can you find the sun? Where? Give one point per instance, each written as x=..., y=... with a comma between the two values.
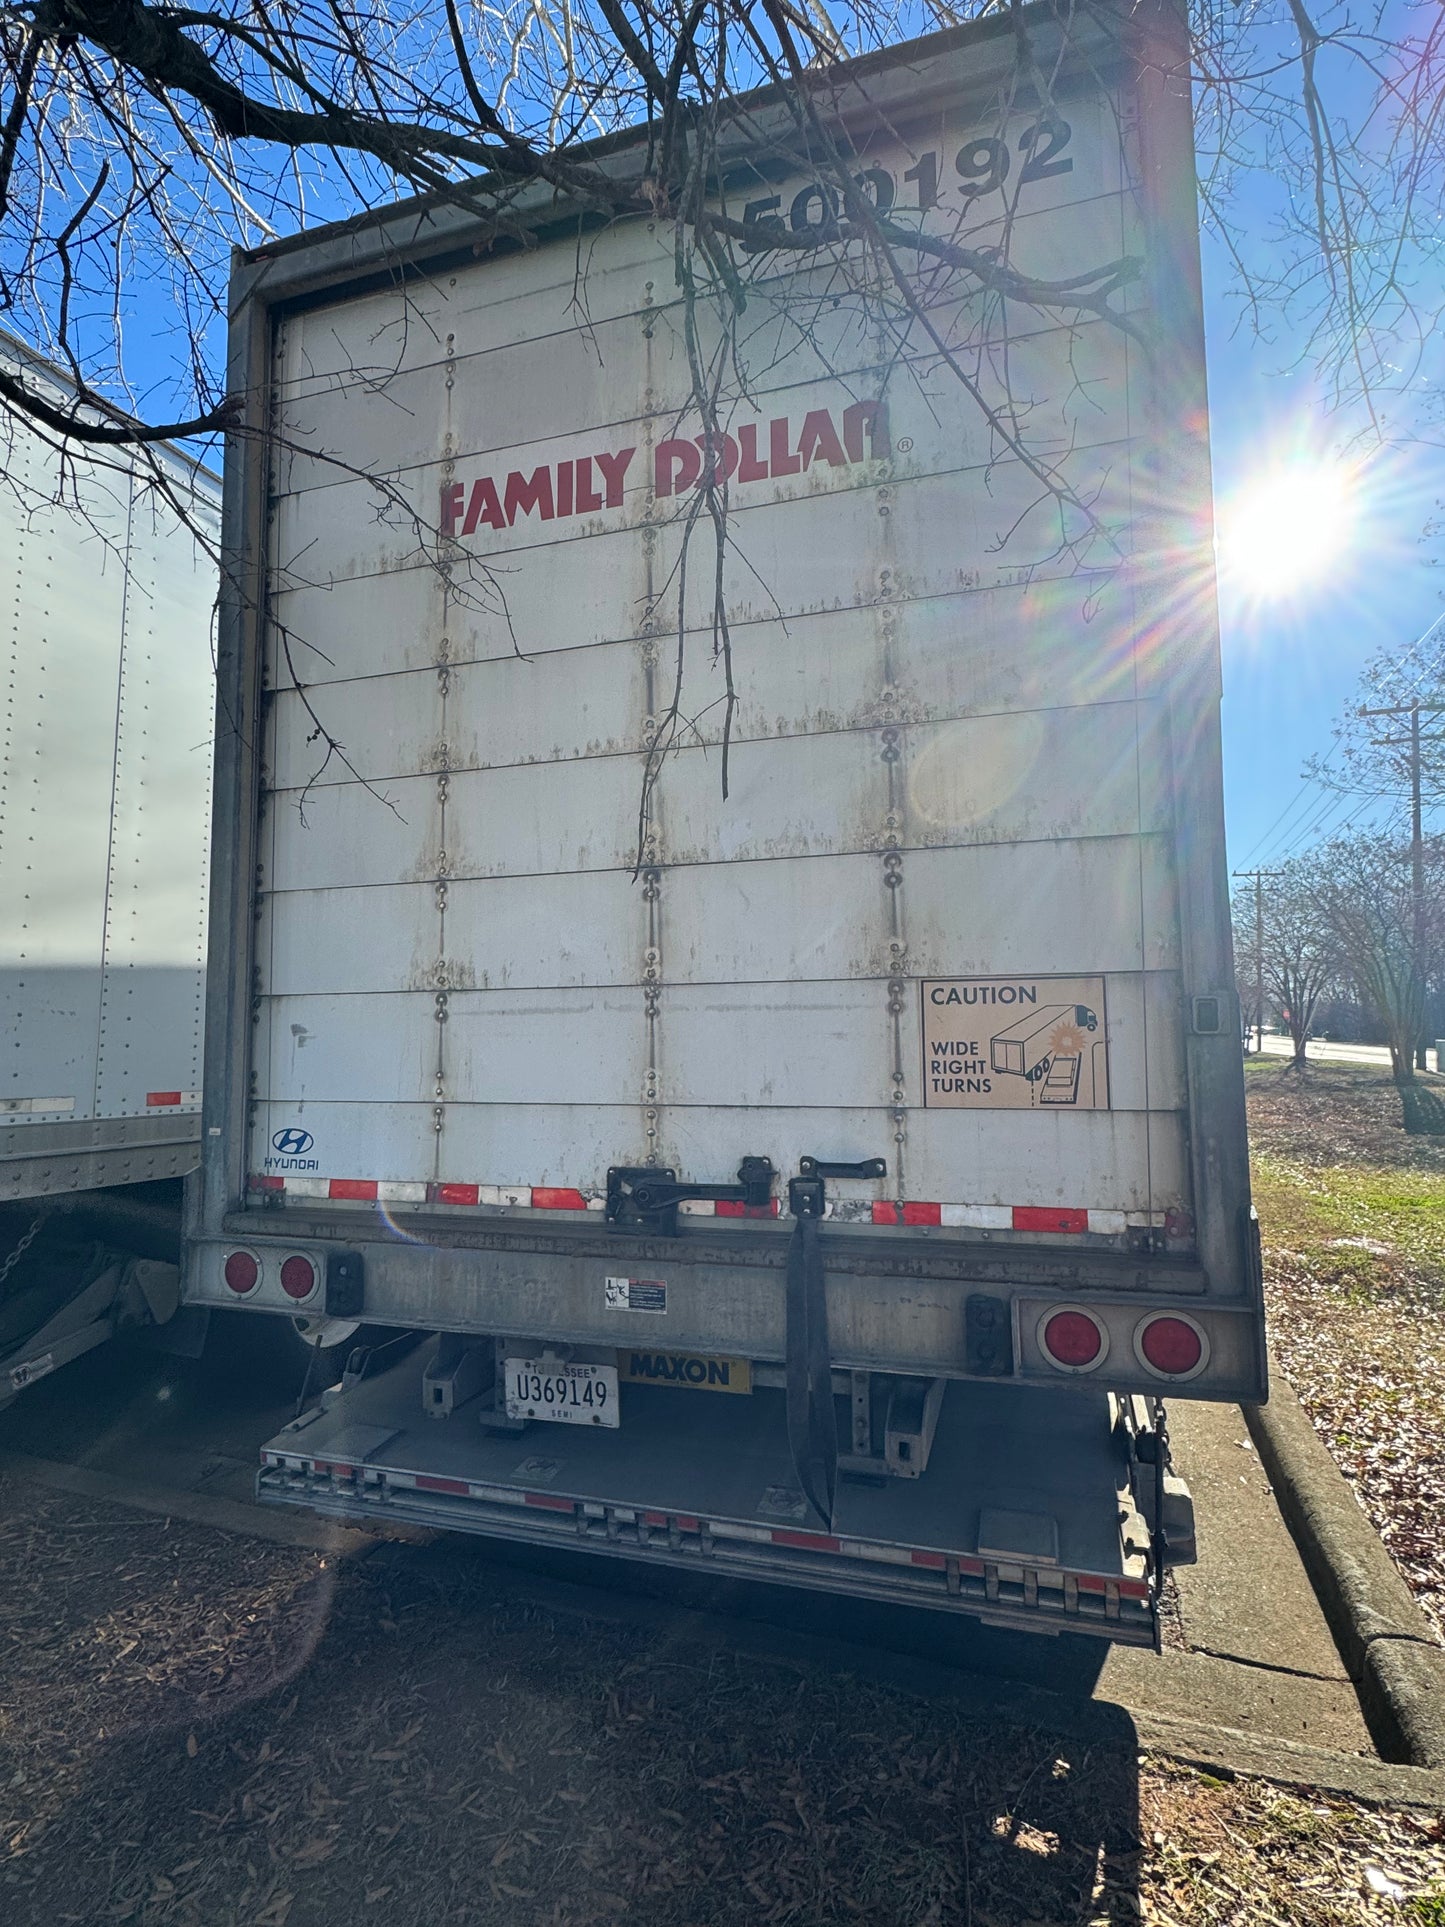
x=1287, y=530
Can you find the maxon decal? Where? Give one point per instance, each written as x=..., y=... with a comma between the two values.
x=685, y=1368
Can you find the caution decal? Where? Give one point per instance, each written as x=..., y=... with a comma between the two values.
x=1015, y=1044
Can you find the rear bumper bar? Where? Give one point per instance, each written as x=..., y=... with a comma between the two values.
x=916, y=1301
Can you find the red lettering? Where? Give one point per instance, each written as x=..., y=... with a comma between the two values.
x=874, y=415
x=587, y=496
x=751, y=467
x=781, y=462
x=820, y=438
x=484, y=507
x=722, y=456
x=528, y=492
x=675, y=467
x=678, y=465
x=614, y=468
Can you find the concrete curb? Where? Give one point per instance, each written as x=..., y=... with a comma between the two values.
x=1388, y=1646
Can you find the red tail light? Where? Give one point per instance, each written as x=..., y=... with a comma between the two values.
x=1172, y=1346
x=298, y=1277
x=242, y=1272
x=1073, y=1339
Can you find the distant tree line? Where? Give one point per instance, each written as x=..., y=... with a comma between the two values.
x=1348, y=936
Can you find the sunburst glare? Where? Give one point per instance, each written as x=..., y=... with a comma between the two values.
x=1288, y=530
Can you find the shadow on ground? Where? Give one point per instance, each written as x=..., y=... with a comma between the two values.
x=206, y=1729
x=1424, y=1110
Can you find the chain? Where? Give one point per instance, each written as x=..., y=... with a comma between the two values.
x=24, y=1245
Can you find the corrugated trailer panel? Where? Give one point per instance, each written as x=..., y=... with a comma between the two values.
x=64, y=649
x=860, y=734
x=104, y=817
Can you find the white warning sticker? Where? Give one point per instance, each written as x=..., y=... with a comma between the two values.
x=634, y=1294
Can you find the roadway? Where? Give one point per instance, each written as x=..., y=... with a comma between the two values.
x=1319, y=1050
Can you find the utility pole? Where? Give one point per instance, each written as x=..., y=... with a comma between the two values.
x=1259, y=877
x=1411, y=743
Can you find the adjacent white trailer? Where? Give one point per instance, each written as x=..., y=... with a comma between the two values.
x=105, y=780
x=636, y=1093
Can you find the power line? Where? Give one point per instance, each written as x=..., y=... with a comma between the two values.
x=1264, y=846
x=1289, y=809
x=1327, y=804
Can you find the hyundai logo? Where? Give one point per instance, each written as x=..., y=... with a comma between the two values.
x=293, y=1143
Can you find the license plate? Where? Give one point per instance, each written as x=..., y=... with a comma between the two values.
x=563, y=1394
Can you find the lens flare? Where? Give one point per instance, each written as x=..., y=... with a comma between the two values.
x=1287, y=531
x=398, y=1230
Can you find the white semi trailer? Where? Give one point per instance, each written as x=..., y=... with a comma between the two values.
x=105, y=779
x=688, y=1120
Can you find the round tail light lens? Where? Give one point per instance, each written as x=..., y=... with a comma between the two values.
x=1073, y=1339
x=242, y=1271
x=1173, y=1347
x=298, y=1277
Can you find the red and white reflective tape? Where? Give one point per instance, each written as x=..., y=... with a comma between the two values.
x=789, y=1538
x=727, y=1208
x=1048, y=1219
x=1060, y=1220
x=171, y=1100
x=528, y=1197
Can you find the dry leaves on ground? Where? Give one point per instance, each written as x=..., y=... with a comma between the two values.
x=289, y=1743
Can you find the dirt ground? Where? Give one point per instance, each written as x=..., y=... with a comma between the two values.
x=201, y=1730
x=1352, y=1214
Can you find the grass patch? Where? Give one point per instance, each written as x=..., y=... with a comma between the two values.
x=1352, y=1216
x=1365, y=1228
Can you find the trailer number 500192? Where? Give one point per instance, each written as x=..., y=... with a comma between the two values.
x=982, y=165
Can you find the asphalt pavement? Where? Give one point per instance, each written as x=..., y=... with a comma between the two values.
x=1320, y=1050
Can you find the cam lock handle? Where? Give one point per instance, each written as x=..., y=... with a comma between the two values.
x=821, y=1168
x=805, y=1192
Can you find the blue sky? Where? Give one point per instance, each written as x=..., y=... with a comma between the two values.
x=1290, y=667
